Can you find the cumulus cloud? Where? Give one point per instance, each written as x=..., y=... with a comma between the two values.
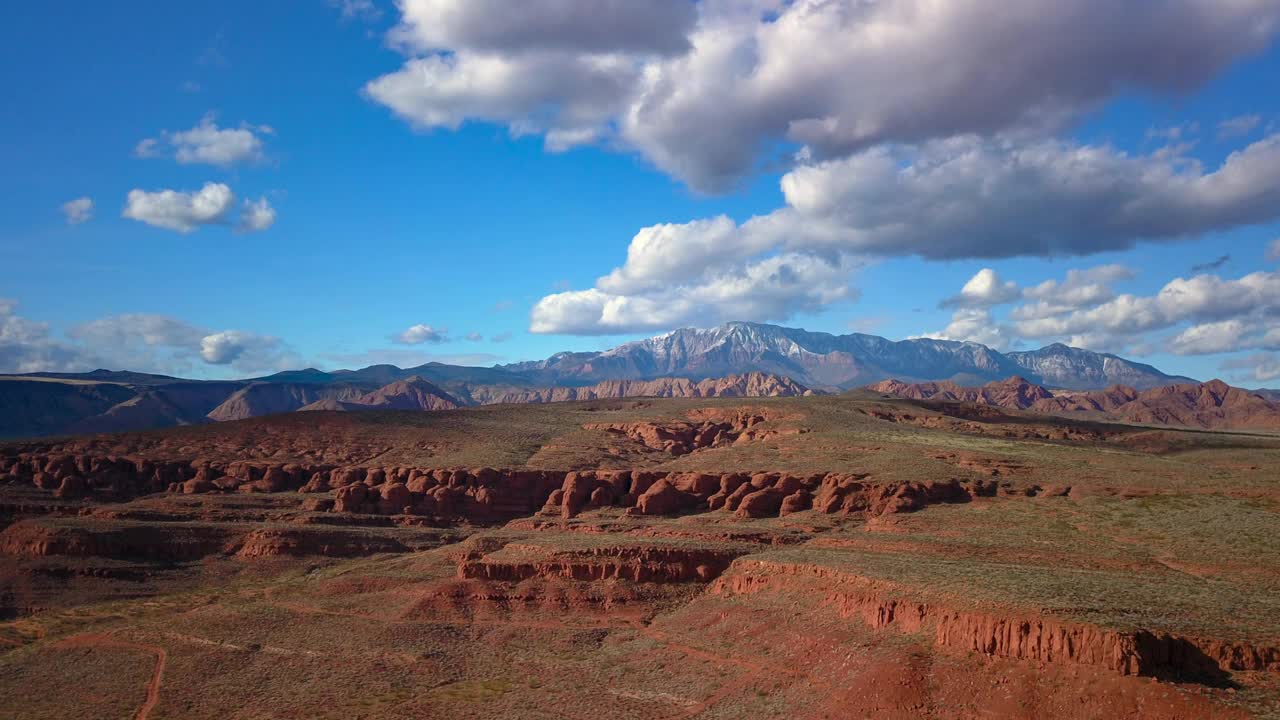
x=1208, y=338
x=1220, y=315
x=256, y=216
x=775, y=287
x=78, y=211
x=707, y=98
x=244, y=350
x=984, y=289
x=1205, y=314
x=178, y=210
x=167, y=344
x=150, y=330
x=138, y=341
x=1202, y=298
x=419, y=334
x=972, y=198
x=974, y=325
x=208, y=144
x=186, y=211
x=27, y=346
x=568, y=98
x=1082, y=287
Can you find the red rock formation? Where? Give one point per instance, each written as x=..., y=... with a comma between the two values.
x=753, y=384
x=1015, y=635
x=1210, y=405
x=413, y=393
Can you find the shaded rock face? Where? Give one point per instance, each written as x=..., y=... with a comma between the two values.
x=267, y=398
x=1210, y=405
x=414, y=393
x=681, y=437
x=753, y=384
x=485, y=495
x=880, y=605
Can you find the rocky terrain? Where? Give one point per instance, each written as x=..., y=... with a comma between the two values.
x=55, y=406
x=735, y=359
x=791, y=557
x=826, y=361
x=1211, y=405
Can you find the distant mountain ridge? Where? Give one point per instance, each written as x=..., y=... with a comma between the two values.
x=418, y=394
x=107, y=400
x=825, y=361
x=1212, y=406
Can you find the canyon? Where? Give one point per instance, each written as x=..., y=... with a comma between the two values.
x=713, y=556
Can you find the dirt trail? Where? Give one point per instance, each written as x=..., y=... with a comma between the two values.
x=107, y=641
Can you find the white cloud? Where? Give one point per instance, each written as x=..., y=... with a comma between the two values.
x=474, y=337
x=180, y=211
x=208, y=144
x=984, y=289
x=26, y=346
x=170, y=345
x=256, y=216
x=1203, y=298
x=186, y=211
x=1082, y=288
x=570, y=98
x=78, y=211
x=1238, y=126
x=969, y=197
x=245, y=351
x=148, y=148
x=974, y=325
x=139, y=341
x=1209, y=338
x=149, y=330
x=419, y=334
x=1273, y=250
x=774, y=287
x=822, y=74
x=1262, y=367
x=1206, y=314
x=965, y=198
x=670, y=253
x=1215, y=315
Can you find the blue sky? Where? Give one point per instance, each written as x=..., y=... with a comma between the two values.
x=382, y=222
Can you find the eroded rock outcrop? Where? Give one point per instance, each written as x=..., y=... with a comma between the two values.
x=1012, y=634
x=489, y=495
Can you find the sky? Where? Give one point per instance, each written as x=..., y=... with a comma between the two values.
x=229, y=189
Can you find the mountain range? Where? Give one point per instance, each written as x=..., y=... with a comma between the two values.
x=836, y=362
x=1212, y=405
x=744, y=359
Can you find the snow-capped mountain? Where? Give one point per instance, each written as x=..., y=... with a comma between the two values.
x=823, y=360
